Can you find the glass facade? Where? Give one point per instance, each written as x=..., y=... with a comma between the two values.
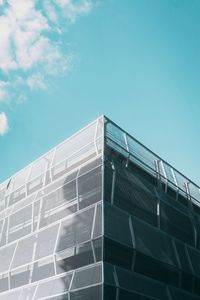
x=151, y=224
x=99, y=217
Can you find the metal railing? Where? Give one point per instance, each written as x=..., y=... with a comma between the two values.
x=135, y=151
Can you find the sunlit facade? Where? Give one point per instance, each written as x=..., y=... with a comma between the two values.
x=99, y=217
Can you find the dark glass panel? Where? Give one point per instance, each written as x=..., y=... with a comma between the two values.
x=197, y=286
x=118, y=254
x=125, y=295
x=108, y=180
x=117, y=225
x=177, y=294
x=110, y=292
x=187, y=282
x=176, y=223
x=155, y=269
x=152, y=242
x=195, y=259
x=140, y=284
x=135, y=198
x=183, y=256
x=109, y=274
x=197, y=228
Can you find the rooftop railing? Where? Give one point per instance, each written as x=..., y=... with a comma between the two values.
x=134, y=151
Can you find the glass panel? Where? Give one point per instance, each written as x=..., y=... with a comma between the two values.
x=117, y=225
x=53, y=287
x=43, y=269
x=17, y=195
x=4, y=232
x=152, y=242
x=137, y=283
x=76, y=229
x=109, y=276
x=24, y=252
x=74, y=143
x=74, y=258
x=20, y=223
x=195, y=259
x=46, y=242
x=115, y=134
x=176, y=223
x=98, y=222
x=59, y=183
x=87, y=294
x=19, y=277
x=14, y=295
x=156, y=270
x=90, y=187
x=6, y=255
x=136, y=198
x=141, y=153
x=35, y=184
x=177, y=294
x=3, y=283
x=90, y=166
x=183, y=257
x=110, y=293
x=27, y=293
x=118, y=254
x=41, y=165
x=98, y=248
x=20, y=178
x=123, y=294
x=87, y=277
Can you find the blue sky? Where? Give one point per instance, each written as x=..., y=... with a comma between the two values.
x=63, y=63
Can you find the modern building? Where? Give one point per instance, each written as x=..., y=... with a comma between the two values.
x=98, y=217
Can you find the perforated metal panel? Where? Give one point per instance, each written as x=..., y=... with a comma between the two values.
x=51, y=223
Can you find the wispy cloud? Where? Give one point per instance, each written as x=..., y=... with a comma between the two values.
x=3, y=90
x=31, y=44
x=3, y=123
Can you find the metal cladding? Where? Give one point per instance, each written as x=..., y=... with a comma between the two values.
x=100, y=216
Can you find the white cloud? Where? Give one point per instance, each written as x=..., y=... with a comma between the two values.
x=26, y=44
x=36, y=81
x=3, y=123
x=71, y=10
